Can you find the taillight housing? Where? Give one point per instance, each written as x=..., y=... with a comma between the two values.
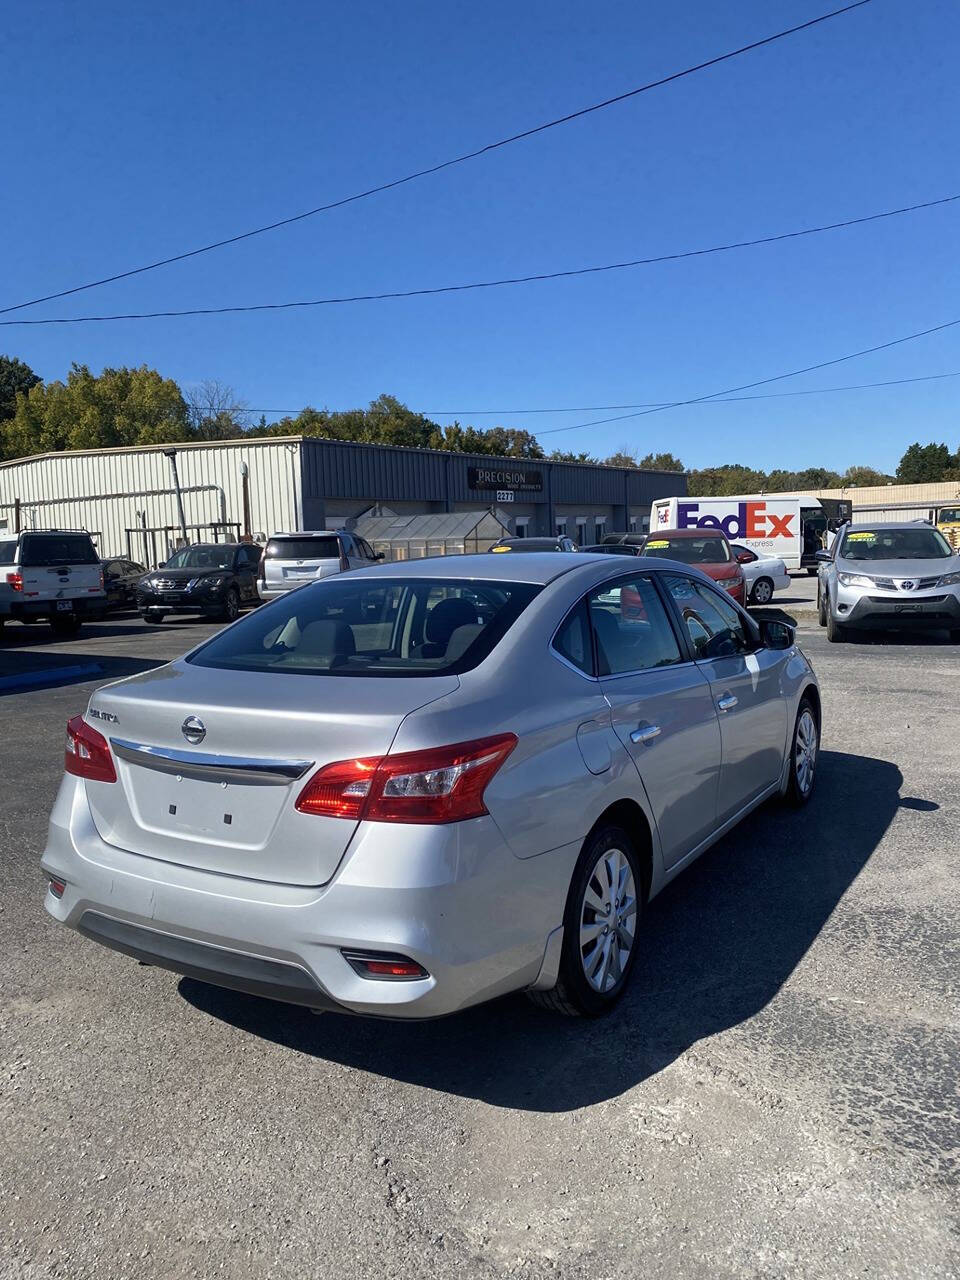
x=87, y=753
x=442, y=784
x=15, y=580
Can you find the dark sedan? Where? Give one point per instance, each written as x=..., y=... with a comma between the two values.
x=211, y=578
x=613, y=549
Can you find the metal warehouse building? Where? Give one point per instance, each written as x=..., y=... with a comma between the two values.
x=127, y=498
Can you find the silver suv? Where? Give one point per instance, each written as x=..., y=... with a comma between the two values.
x=883, y=576
x=291, y=559
x=51, y=574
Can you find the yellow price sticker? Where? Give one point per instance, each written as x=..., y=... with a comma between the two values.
x=861, y=537
x=660, y=542
x=499, y=548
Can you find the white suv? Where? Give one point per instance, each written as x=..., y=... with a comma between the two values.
x=291, y=559
x=52, y=574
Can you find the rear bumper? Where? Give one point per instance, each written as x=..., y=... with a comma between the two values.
x=267, y=594
x=82, y=607
x=453, y=898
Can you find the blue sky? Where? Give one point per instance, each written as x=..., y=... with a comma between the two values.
x=134, y=131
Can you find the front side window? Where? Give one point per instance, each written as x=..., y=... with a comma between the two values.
x=715, y=627
x=373, y=627
x=631, y=626
x=917, y=543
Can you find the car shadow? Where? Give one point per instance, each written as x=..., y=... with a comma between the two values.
x=25, y=671
x=718, y=945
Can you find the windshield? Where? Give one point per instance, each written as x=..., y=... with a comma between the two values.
x=303, y=549
x=57, y=548
x=373, y=627
x=916, y=543
x=949, y=515
x=706, y=550
x=201, y=558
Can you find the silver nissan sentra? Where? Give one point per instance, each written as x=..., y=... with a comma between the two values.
x=418, y=786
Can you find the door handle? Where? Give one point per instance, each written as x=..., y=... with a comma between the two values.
x=727, y=702
x=645, y=733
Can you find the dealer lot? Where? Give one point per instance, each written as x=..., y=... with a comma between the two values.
x=776, y=1095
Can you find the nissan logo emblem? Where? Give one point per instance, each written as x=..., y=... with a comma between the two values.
x=193, y=729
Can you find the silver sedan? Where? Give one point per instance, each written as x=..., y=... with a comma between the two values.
x=418, y=786
x=882, y=577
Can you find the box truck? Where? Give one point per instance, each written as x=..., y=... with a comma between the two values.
x=792, y=528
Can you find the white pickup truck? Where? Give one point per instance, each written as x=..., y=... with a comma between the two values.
x=53, y=575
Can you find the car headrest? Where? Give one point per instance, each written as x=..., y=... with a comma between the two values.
x=327, y=639
x=444, y=618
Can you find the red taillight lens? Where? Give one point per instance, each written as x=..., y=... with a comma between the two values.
x=87, y=753
x=15, y=580
x=444, y=784
x=370, y=964
x=57, y=887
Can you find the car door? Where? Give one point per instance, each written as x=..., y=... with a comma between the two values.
x=745, y=678
x=662, y=708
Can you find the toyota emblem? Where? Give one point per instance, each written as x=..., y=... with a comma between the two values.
x=908, y=584
x=193, y=729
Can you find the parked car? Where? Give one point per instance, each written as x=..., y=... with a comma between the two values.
x=211, y=578
x=708, y=549
x=879, y=577
x=120, y=578
x=762, y=574
x=291, y=559
x=560, y=543
x=52, y=575
x=613, y=549
x=408, y=789
x=624, y=539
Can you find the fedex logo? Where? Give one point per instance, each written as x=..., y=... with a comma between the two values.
x=752, y=520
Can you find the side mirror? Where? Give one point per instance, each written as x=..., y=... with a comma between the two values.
x=824, y=557
x=776, y=635
x=379, y=556
x=746, y=557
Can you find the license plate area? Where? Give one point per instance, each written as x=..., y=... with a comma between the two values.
x=203, y=812
x=64, y=606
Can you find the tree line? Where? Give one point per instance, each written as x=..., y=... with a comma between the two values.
x=122, y=408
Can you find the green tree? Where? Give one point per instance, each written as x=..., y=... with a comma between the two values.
x=732, y=477
x=215, y=411
x=860, y=477
x=563, y=455
x=117, y=408
x=15, y=377
x=622, y=459
x=661, y=462
x=925, y=463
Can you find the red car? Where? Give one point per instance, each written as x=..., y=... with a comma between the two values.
x=708, y=549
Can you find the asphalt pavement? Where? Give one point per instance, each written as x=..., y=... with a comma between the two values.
x=776, y=1096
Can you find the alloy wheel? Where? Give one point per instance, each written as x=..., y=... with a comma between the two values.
x=805, y=751
x=608, y=921
x=762, y=592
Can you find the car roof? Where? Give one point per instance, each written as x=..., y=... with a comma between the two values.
x=537, y=567
x=687, y=533
x=307, y=533
x=888, y=524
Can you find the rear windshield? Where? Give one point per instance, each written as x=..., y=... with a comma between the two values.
x=202, y=558
x=894, y=544
x=689, y=550
x=373, y=627
x=57, y=548
x=303, y=549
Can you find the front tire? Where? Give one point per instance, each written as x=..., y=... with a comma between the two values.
x=836, y=632
x=600, y=927
x=153, y=618
x=821, y=607
x=762, y=592
x=804, y=754
x=231, y=607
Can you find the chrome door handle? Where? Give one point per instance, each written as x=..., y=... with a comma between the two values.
x=727, y=702
x=645, y=733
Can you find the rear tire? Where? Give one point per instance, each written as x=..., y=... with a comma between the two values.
x=804, y=755
x=955, y=637
x=153, y=618
x=836, y=632
x=762, y=592
x=65, y=624
x=598, y=957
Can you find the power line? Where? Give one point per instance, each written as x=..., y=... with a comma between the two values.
x=491, y=284
x=760, y=382
x=444, y=164
x=600, y=408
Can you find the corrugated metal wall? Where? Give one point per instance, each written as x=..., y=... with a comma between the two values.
x=96, y=480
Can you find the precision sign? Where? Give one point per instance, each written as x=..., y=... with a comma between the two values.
x=504, y=478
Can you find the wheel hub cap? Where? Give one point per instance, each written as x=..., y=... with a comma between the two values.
x=605, y=944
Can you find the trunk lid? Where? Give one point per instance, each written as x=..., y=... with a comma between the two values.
x=225, y=800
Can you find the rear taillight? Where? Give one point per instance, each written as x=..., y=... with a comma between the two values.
x=87, y=753
x=444, y=784
x=15, y=580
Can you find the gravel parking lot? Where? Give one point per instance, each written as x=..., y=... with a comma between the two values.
x=776, y=1096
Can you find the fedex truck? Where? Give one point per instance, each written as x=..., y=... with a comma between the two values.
x=792, y=528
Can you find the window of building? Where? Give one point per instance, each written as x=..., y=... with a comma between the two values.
x=561, y=527
x=601, y=523
x=522, y=527
x=632, y=524
x=581, y=534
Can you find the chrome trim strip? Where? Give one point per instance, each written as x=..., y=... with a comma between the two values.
x=209, y=767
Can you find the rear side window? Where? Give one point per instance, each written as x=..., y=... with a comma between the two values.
x=39, y=549
x=303, y=549
x=572, y=641
x=372, y=627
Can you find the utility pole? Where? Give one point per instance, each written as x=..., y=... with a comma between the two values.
x=172, y=455
x=245, y=486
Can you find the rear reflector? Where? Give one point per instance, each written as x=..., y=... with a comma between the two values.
x=56, y=887
x=443, y=784
x=87, y=753
x=376, y=964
